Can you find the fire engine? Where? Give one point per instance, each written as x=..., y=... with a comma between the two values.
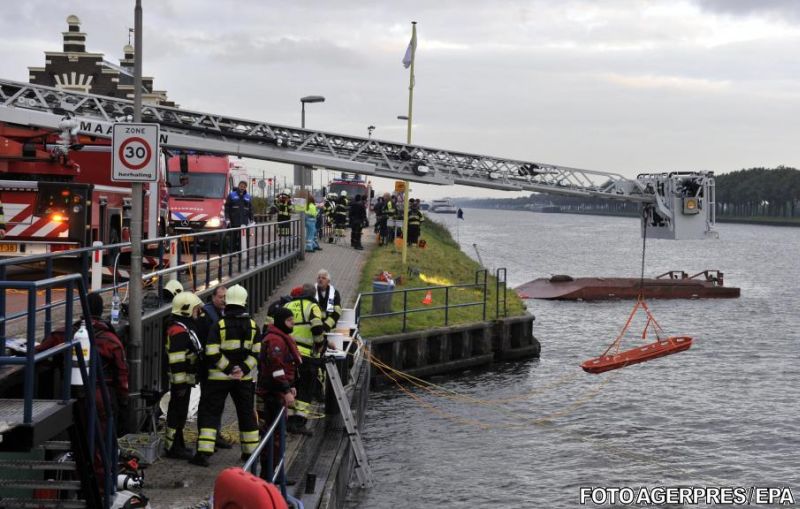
x=352, y=184
x=57, y=193
x=197, y=202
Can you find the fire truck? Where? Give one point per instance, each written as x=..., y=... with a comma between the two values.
x=353, y=184
x=197, y=202
x=57, y=192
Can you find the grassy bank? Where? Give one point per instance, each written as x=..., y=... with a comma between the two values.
x=440, y=263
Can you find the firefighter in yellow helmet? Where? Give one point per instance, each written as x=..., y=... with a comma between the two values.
x=231, y=356
x=308, y=334
x=184, y=352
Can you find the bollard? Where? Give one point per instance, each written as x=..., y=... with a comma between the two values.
x=173, y=259
x=97, y=266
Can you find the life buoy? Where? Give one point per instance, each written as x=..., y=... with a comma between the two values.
x=237, y=489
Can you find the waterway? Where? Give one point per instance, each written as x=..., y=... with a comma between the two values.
x=724, y=413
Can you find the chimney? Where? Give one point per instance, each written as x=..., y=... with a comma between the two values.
x=74, y=39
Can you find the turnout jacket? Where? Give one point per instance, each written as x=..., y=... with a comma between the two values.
x=308, y=326
x=330, y=304
x=277, y=363
x=184, y=351
x=233, y=341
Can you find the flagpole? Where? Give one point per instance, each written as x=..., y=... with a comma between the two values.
x=407, y=192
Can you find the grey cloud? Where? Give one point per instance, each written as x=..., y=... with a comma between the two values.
x=781, y=9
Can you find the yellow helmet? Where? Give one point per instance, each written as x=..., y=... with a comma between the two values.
x=184, y=303
x=236, y=296
x=174, y=287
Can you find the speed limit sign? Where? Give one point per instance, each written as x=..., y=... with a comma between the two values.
x=135, y=152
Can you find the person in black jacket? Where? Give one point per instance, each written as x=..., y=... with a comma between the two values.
x=358, y=217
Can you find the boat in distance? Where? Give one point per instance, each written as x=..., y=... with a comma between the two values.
x=444, y=206
x=675, y=284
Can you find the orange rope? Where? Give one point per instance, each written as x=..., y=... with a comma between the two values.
x=651, y=320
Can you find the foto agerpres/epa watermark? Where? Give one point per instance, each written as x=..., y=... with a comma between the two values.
x=689, y=495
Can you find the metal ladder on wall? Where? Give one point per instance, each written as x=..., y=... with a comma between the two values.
x=363, y=471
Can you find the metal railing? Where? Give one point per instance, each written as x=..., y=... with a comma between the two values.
x=91, y=375
x=481, y=283
x=275, y=474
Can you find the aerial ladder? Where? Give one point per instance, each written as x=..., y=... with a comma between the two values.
x=676, y=205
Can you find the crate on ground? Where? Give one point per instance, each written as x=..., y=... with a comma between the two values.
x=145, y=446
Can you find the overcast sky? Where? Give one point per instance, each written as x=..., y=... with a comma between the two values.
x=627, y=86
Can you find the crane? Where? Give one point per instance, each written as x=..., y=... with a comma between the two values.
x=677, y=205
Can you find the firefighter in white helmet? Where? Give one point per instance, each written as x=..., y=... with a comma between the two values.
x=231, y=356
x=283, y=207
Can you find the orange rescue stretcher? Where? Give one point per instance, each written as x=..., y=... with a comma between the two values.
x=650, y=351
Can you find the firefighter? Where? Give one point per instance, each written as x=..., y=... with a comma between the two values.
x=415, y=220
x=308, y=330
x=283, y=208
x=170, y=290
x=328, y=299
x=231, y=355
x=328, y=208
x=358, y=218
x=340, y=213
x=184, y=352
x=278, y=363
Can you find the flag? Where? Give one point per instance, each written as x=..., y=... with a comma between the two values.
x=412, y=48
x=460, y=214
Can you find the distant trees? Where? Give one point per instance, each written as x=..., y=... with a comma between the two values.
x=759, y=192
x=748, y=193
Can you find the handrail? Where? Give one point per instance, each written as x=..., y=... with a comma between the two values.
x=479, y=284
x=274, y=472
x=89, y=374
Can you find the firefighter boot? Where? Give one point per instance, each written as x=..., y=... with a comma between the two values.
x=200, y=459
x=178, y=449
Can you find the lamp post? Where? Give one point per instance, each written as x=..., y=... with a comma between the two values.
x=369, y=131
x=302, y=175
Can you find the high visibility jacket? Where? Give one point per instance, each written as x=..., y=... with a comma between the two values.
x=183, y=351
x=415, y=217
x=308, y=326
x=309, y=209
x=330, y=303
x=233, y=341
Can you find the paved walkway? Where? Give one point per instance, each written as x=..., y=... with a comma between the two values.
x=174, y=484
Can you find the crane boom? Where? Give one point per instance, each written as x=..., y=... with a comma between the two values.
x=47, y=107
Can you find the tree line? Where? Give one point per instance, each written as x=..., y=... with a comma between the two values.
x=748, y=193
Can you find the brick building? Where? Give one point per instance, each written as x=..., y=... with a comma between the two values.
x=76, y=69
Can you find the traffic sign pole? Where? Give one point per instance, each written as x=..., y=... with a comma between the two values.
x=135, y=283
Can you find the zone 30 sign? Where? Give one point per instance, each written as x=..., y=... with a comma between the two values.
x=135, y=152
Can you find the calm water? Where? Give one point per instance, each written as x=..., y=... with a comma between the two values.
x=723, y=413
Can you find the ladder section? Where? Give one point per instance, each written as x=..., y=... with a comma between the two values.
x=49, y=107
x=363, y=471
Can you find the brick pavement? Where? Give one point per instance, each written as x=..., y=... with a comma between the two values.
x=176, y=484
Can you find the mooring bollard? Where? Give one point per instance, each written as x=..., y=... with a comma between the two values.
x=97, y=266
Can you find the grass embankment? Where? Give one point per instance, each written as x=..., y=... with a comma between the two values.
x=440, y=263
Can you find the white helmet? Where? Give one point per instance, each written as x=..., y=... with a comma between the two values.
x=184, y=303
x=344, y=193
x=287, y=192
x=236, y=296
x=332, y=196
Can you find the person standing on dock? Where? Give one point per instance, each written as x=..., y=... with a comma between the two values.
x=358, y=217
x=308, y=333
x=283, y=208
x=340, y=213
x=328, y=299
x=415, y=220
x=231, y=357
x=184, y=352
x=278, y=363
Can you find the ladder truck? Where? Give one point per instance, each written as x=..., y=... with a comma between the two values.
x=679, y=205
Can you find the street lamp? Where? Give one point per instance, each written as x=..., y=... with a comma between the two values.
x=303, y=101
x=302, y=174
x=369, y=131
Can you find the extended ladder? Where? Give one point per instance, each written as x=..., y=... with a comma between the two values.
x=363, y=471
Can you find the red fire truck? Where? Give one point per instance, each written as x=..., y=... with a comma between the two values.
x=57, y=193
x=197, y=202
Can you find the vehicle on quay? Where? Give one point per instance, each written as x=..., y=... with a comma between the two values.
x=57, y=192
x=444, y=206
x=197, y=202
x=352, y=185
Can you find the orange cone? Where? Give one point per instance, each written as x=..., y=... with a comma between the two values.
x=428, y=298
